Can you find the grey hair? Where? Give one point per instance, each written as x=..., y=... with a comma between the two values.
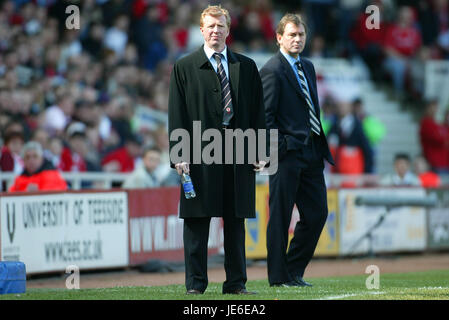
x=33, y=145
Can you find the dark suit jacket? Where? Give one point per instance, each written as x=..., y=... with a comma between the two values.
x=285, y=105
x=195, y=95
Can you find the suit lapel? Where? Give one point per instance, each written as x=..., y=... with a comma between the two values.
x=289, y=74
x=312, y=90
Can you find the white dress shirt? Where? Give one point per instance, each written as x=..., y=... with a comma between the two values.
x=224, y=59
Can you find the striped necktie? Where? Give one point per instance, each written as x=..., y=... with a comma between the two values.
x=226, y=101
x=314, y=122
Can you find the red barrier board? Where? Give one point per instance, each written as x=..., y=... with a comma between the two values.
x=156, y=231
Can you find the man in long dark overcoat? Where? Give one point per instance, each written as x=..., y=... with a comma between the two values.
x=215, y=88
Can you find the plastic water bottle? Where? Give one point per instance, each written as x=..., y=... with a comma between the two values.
x=188, y=186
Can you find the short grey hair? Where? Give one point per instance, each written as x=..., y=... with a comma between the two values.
x=33, y=146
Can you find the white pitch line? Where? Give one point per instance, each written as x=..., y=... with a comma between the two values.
x=338, y=297
x=350, y=295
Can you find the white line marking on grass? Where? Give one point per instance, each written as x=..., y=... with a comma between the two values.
x=350, y=295
x=338, y=297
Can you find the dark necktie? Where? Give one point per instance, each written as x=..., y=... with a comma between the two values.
x=314, y=122
x=226, y=101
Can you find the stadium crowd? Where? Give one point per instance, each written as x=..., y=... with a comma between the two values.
x=96, y=98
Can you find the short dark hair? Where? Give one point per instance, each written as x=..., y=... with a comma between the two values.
x=357, y=100
x=133, y=138
x=13, y=135
x=401, y=156
x=151, y=148
x=430, y=102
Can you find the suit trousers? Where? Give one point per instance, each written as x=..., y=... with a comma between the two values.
x=299, y=180
x=196, y=235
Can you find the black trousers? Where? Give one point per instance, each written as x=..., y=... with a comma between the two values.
x=196, y=235
x=299, y=180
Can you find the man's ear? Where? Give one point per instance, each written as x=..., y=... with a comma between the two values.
x=278, y=38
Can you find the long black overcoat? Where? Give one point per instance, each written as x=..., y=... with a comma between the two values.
x=195, y=95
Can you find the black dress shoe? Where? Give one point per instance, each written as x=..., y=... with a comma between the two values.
x=193, y=291
x=289, y=284
x=302, y=283
x=240, y=291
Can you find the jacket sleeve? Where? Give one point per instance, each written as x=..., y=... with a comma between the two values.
x=270, y=85
x=177, y=113
x=271, y=97
x=431, y=134
x=6, y=161
x=258, y=116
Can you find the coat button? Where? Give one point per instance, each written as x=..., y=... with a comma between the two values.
x=215, y=90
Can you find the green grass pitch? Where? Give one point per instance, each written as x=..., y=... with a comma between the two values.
x=427, y=285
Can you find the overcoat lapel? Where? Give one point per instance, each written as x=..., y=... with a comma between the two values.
x=234, y=75
x=210, y=78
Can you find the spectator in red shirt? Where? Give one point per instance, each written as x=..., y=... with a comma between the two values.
x=10, y=159
x=369, y=42
x=427, y=178
x=446, y=127
x=73, y=155
x=123, y=159
x=39, y=174
x=402, y=42
x=434, y=140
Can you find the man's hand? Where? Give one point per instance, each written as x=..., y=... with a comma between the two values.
x=182, y=167
x=258, y=166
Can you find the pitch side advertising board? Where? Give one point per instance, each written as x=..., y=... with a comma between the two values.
x=403, y=229
x=438, y=220
x=256, y=229
x=155, y=229
x=49, y=232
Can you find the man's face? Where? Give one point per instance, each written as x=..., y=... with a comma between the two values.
x=215, y=31
x=15, y=145
x=134, y=149
x=401, y=166
x=293, y=40
x=151, y=160
x=79, y=145
x=32, y=161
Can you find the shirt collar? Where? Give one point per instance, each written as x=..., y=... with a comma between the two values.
x=209, y=52
x=289, y=58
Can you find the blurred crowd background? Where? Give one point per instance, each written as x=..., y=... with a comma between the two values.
x=96, y=98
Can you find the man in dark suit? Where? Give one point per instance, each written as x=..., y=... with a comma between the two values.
x=292, y=107
x=223, y=90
